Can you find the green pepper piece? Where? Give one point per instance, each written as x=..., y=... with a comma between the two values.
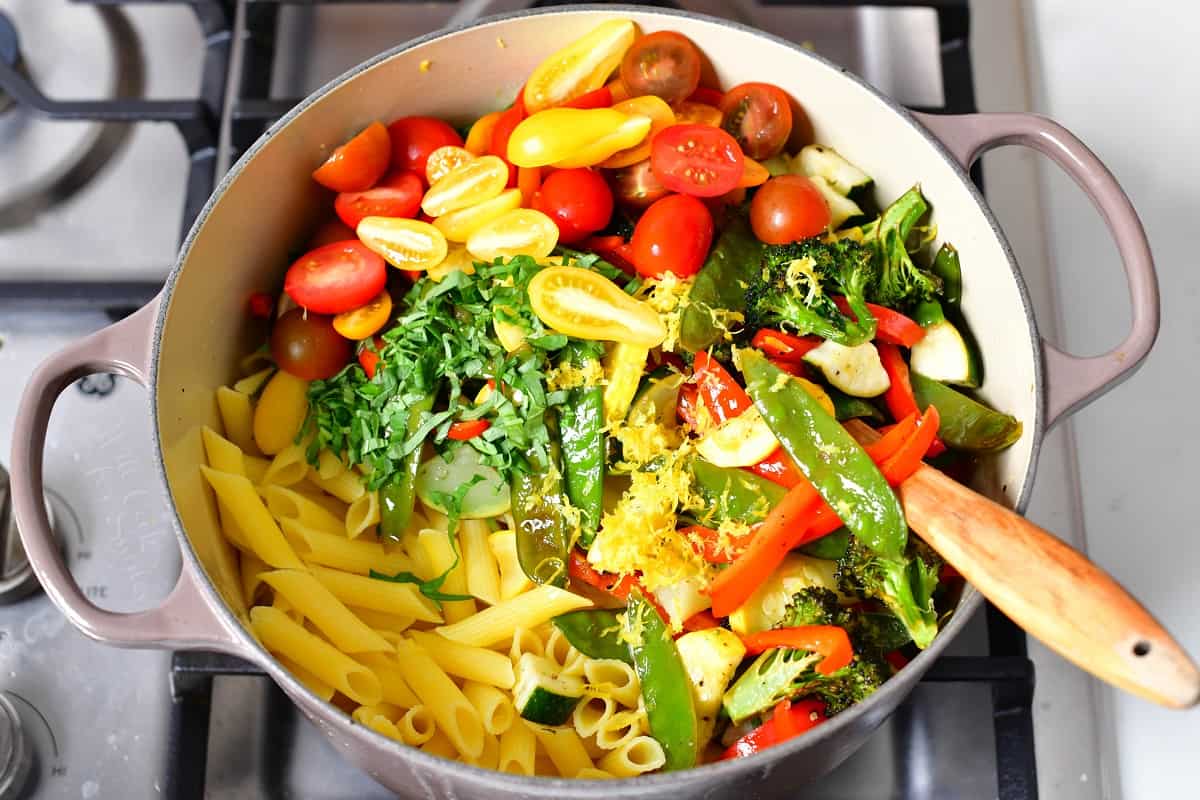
x=543, y=537
x=397, y=498
x=733, y=494
x=828, y=456
x=581, y=428
x=830, y=547
x=846, y=407
x=721, y=284
x=595, y=633
x=666, y=688
x=947, y=267
x=965, y=423
x=928, y=313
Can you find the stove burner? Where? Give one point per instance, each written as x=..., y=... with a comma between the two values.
x=99, y=385
x=16, y=575
x=16, y=755
x=10, y=54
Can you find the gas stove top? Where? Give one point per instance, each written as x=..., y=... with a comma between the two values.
x=90, y=210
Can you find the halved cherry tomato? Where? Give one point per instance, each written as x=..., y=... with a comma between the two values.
x=586, y=305
x=672, y=236
x=397, y=195
x=759, y=115
x=306, y=345
x=788, y=208
x=261, y=305
x=467, y=429
x=457, y=226
x=471, y=183
x=358, y=163
x=479, y=138
x=414, y=138
x=665, y=64
x=578, y=200
x=520, y=232
x=753, y=174
x=637, y=186
x=689, y=113
x=444, y=160
x=368, y=358
x=365, y=320
x=330, y=231
x=580, y=67
x=661, y=117
x=404, y=243
x=708, y=96
x=697, y=159
x=335, y=278
x=612, y=249
x=598, y=98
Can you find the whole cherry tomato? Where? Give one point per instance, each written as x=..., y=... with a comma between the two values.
x=672, y=236
x=578, y=200
x=307, y=346
x=788, y=208
x=665, y=64
x=414, y=138
x=397, y=195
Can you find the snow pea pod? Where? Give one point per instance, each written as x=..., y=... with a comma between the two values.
x=666, y=688
x=581, y=428
x=733, y=494
x=595, y=633
x=543, y=536
x=397, y=498
x=837, y=466
x=965, y=423
x=720, y=284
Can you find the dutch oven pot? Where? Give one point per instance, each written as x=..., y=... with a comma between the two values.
x=189, y=340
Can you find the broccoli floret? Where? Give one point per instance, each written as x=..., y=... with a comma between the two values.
x=900, y=283
x=812, y=605
x=876, y=632
x=797, y=284
x=904, y=585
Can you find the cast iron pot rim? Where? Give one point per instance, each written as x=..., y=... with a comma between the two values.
x=548, y=786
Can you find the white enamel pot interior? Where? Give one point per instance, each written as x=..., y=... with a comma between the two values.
x=189, y=341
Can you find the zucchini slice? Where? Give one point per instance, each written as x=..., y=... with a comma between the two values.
x=489, y=497
x=857, y=370
x=943, y=354
x=541, y=696
x=817, y=160
x=841, y=209
x=711, y=658
x=742, y=441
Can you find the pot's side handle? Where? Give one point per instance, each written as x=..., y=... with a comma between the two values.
x=1071, y=381
x=184, y=619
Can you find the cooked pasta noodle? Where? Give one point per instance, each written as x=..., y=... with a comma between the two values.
x=383, y=622
x=395, y=689
x=445, y=561
x=594, y=774
x=467, y=662
x=221, y=453
x=331, y=476
x=440, y=745
x=617, y=678
x=620, y=728
x=558, y=649
x=636, y=756
x=513, y=580
x=347, y=632
x=525, y=641
x=359, y=556
x=237, y=418
x=286, y=503
x=253, y=518
x=565, y=749
x=363, y=514
x=279, y=634
x=252, y=384
x=394, y=598
x=287, y=467
x=251, y=568
x=490, y=756
x=593, y=713
x=483, y=574
x=256, y=468
x=518, y=749
x=315, y=685
x=497, y=623
x=455, y=715
x=416, y=726
x=494, y=706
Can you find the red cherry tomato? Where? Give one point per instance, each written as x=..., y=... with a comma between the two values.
x=578, y=200
x=414, y=138
x=330, y=231
x=397, y=195
x=356, y=165
x=707, y=96
x=759, y=115
x=336, y=277
x=500, y=134
x=307, y=346
x=697, y=159
x=664, y=63
x=597, y=98
x=612, y=249
x=637, y=186
x=787, y=209
x=672, y=236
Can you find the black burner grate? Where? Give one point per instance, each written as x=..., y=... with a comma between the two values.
x=199, y=121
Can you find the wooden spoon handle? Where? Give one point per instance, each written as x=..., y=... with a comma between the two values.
x=1048, y=588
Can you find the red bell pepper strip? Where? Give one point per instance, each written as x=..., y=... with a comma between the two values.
x=784, y=346
x=778, y=468
x=892, y=326
x=689, y=399
x=789, y=720
x=618, y=586
x=893, y=437
x=828, y=640
x=467, y=429
x=709, y=546
x=794, y=368
x=896, y=659
x=905, y=461
x=720, y=393
x=612, y=249
x=700, y=621
x=369, y=359
x=900, y=399
x=597, y=98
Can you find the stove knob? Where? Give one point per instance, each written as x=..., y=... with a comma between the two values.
x=16, y=752
x=16, y=575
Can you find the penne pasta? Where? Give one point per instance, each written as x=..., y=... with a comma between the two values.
x=518, y=749
x=594, y=774
x=260, y=356
x=368, y=717
x=385, y=710
x=359, y=556
x=455, y=715
x=331, y=475
x=558, y=649
x=620, y=728
x=483, y=573
x=565, y=749
x=308, y=595
x=525, y=641
x=286, y=503
x=280, y=602
x=363, y=514
x=636, y=756
x=383, y=622
x=445, y=561
x=490, y=756
x=495, y=708
x=615, y=678
x=221, y=453
x=440, y=745
x=252, y=384
x=252, y=518
x=315, y=685
x=394, y=598
x=279, y=634
x=498, y=623
x=513, y=580
x=395, y=689
x=592, y=713
x=467, y=662
x=287, y=467
x=256, y=468
x=422, y=566
x=416, y=726
x=237, y=418
x=252, y=567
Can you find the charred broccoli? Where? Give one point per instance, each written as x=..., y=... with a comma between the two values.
x=797, y=284
x=904, y=585
x=877, y=632
x=900, y=283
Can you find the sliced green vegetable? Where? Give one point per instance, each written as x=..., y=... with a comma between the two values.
x=857, y=370
x=947, y=267
x=398, y=498
x=581, y=428
x=658, y=397
x=828, y=456
x=825, y=162
x=842, y=210
x=666, y=689
x=595, y=633
x=540, y=695
x=733, y=494
x=720, y=286
x=489, y=496
x=775, y=675
x=846, y=407
x=942, y=354
x=539, y=510
x=965, y=423
x=831, y=547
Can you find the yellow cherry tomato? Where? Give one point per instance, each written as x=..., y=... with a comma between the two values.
x=479, y=138
x=457, y=226
x=457, y=260
x=473, y=182
x=365, y=320
x=556, y=135
x=403, y=243
x=689, y=113
x=580, y=67
x=520, y=232
x=444, y=160
x=661, y=116
x=583, y=304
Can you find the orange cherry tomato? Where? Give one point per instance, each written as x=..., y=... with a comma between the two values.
x=753, y=174
x=365, y=320
x=336, y=277
x=688, y=112
x=661, y=116
x=414, y=138
x=759, y=115
x=697, y=160
x=529, y=180
x=788, y=208
x=397, y=195
x=672, y=236
x=479, y=138
x=356, y=165
x=665, y=64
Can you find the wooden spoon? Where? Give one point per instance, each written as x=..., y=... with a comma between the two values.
x=1048, y=588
